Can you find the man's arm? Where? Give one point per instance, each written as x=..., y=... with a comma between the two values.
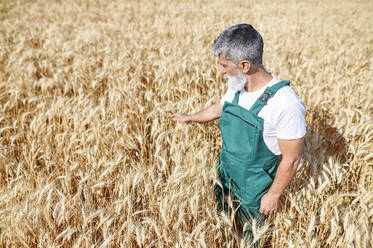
x=291, y=151
x=208, y=114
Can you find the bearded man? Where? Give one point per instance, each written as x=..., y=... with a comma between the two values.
x=261, y=118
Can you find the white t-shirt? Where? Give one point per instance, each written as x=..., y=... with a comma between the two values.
x=283, y=115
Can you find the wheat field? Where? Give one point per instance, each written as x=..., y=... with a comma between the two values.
x=90, y=155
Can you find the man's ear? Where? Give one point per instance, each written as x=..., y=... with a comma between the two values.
x=245, y=66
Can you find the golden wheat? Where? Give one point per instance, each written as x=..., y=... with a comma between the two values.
x=90, y=156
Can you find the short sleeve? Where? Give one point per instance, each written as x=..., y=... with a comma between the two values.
x=228, y=97
x=291, y=123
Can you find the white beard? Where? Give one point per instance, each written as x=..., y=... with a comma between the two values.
x=238, y=82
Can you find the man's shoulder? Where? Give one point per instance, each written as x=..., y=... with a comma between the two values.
x=284, y=98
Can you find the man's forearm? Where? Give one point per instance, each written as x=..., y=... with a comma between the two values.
x=291, y=151
x=208, y=114
x=284, y=174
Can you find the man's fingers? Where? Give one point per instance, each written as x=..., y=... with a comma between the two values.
x=267, y=211
x=176, y=116
x=179, y=117
x=273, y=211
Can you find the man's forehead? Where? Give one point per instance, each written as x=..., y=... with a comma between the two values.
x=222, y=60
x=221, y=57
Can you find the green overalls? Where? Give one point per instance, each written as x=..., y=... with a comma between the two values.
x=246, y=167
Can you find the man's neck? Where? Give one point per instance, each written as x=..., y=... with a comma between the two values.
x=257, y=80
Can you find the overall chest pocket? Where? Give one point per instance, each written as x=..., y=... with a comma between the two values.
x=240, y=136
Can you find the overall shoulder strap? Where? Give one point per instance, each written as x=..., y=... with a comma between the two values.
x=267, y=94
x=236, y=96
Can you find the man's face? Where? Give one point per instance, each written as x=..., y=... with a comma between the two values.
x=227, y=66
x=236, y=79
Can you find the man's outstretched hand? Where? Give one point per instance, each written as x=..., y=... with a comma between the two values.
x=181, y=117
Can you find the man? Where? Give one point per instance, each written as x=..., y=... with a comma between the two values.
x=261, y=117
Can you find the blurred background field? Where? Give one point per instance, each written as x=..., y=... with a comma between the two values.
x=90, y=156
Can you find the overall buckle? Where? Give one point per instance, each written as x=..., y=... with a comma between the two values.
x=265, y=97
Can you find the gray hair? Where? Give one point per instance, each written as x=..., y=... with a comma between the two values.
x=240, y=42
